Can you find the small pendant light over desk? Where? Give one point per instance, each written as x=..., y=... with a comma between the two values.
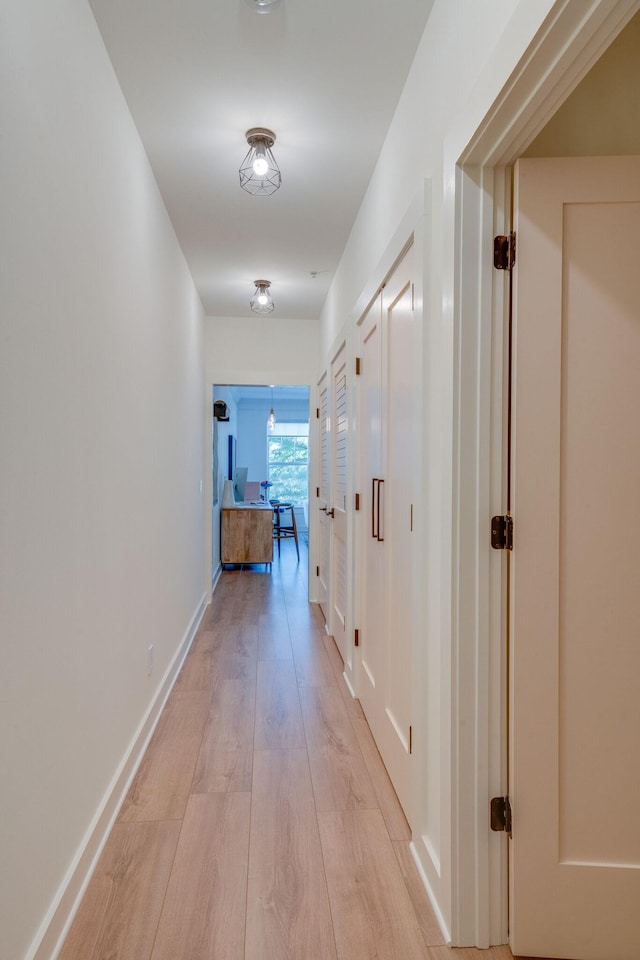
x=271, y=419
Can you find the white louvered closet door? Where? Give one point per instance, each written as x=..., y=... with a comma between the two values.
x=323, y=496
x=338, y=511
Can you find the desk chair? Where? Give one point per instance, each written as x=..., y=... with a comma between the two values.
x=284, y=527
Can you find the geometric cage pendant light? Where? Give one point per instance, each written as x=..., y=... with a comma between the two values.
x=259, y=172
x=261, y=301
x=271, y=419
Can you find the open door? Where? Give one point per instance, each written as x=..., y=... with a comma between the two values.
x=575, y=577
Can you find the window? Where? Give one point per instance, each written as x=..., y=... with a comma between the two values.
x=288, y=457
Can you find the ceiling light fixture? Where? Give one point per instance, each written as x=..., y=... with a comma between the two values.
x=271, y=419
x=261, y=301
x=259, y=172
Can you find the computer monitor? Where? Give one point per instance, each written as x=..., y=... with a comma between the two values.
x=239, y=483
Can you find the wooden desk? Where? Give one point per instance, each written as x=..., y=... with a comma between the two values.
x=247, y=534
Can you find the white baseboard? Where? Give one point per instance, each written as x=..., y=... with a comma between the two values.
x=432, y=898
x=348, y=683
x=57, y=921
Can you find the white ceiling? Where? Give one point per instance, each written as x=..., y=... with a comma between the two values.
x=324, y=75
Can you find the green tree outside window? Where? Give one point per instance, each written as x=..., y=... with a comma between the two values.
x=288, y=458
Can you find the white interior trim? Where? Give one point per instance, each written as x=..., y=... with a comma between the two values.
x=422, y=849
x=571, y=39
x=479, y=909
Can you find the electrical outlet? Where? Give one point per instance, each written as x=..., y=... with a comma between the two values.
x=150, y=660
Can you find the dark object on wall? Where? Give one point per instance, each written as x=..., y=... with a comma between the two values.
x=231, y=463
x=220, y=410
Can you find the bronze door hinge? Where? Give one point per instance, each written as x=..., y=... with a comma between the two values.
x=504, y=251
x=501, y=815
x=502, y=533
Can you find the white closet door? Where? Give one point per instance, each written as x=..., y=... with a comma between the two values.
x=400, y=479
x=323, y=497
x=388, y=476
x=338, y=510
x=372, y=601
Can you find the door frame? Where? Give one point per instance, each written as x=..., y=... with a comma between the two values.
x=571, y=39
x=234, y=376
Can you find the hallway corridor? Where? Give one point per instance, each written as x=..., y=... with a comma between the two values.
x=261, y=824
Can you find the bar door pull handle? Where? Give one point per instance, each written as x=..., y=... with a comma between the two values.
x=380, y=539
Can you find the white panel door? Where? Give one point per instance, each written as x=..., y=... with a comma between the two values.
x=388, y=471
x=398, y=496
x=338, y=510
x=575, y=625
x=323, y=497
x=372, y=603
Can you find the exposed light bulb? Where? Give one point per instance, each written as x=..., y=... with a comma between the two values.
x=261, y=301
x=263, y=6
x=259, y=173
x=260, y=163
x=271, y=419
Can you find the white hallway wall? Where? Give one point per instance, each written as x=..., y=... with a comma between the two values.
x=466, y=55
x=255, y=350
x=101, y=427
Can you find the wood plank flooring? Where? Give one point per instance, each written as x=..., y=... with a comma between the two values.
x=262, y=824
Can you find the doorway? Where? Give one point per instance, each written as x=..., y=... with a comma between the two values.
x=566, y=49
x=262, y=437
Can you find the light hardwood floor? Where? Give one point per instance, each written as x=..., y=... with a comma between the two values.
x=262, y=824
